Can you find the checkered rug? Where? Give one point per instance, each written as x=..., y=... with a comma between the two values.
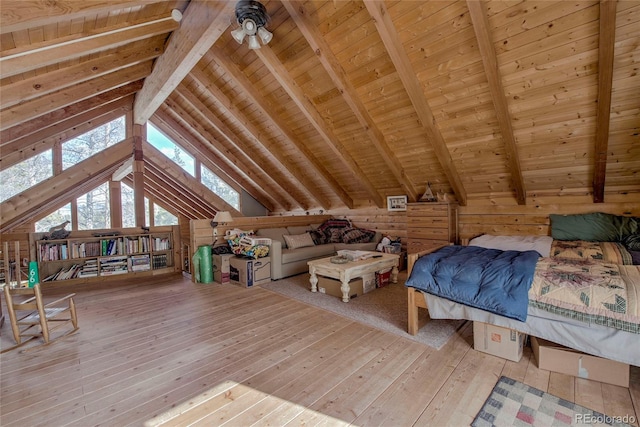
x=513, y=403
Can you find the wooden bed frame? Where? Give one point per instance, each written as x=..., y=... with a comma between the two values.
x=415, y=298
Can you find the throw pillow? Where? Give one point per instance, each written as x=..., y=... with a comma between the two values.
x=330, y=224
x=357, y=235
x=295, y=241
x=592, y=227
x=632, y=242
x=318, y=237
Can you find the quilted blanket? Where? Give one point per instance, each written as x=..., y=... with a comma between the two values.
x=489, y=279
x=593, y=291
x=580, y=249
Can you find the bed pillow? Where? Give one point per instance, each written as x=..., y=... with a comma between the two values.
x=632, y=242
x=540, y=244
x=592, y=227
x=295, y=241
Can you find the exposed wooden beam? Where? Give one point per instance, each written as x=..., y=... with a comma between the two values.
x=13, y=64
x=66, y=113
x=282, y=75
x=339, y=78
x=252, y=164
x=266, y=108
x=278, y=157
x=20, y=91
x=197, y=145
x=72, y=182
x=202, y=24
x=19, y=150
x=480, y=22
x=400, y=59
x=37, y=107
x=122, y=171
x=606, y=47
x=200, y=193
x=16, y=15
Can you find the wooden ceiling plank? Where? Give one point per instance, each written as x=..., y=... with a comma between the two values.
x=37, y=107
x=606, y=50
x=480, y=22
x=37, y=58
x=337, y=74
x=398, y=55
x=232, y=161
x=197, y=146
x=43, y=84
x=66, y=113
x=242, y=121
x=29, y=203
x=252, y=162
x=202, y=24
x=267, y=109
x=19, y=150
x=282, y=75
x=17, y=15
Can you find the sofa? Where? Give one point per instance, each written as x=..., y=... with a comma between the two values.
x=293, y=246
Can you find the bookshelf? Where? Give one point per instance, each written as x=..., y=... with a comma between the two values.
x=86, y=256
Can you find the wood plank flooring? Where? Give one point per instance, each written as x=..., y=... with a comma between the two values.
x=170, y=352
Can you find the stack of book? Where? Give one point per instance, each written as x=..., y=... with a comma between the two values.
x=89, y=269
x=113, y=265
x=140, y=262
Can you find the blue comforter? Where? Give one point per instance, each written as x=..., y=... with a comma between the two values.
x=489, y=279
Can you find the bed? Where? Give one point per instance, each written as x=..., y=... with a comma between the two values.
x=615, y=336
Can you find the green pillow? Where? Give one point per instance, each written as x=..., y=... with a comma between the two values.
x=593, y=227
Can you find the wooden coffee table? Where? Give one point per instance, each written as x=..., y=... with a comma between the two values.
x=351, y=270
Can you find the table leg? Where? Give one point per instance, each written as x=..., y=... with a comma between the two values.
x=314, y=280
x=346, y=289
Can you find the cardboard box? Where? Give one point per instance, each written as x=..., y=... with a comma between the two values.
x=557, y=358
x=383, y=278
x=498, y=341
x=250, y=272
x=357, y=286
x=222, y=268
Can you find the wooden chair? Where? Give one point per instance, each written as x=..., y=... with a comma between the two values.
x=32, y=311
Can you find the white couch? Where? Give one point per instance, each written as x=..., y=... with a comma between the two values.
x=289, y=262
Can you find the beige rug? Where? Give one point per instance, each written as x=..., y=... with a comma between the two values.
x=384, y=308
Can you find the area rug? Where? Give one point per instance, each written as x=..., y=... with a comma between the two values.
x=383, y=308
x=513, y=403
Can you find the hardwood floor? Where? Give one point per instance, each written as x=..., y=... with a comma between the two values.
x=221, y=354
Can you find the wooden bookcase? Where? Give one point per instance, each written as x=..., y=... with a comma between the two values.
x=431, y=224
x=105, y=255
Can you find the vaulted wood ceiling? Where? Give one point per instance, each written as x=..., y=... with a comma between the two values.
x=351, y=102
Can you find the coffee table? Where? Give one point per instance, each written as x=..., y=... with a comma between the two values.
x=351, y=270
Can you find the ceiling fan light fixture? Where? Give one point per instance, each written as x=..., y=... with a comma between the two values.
x=238, y=35
x=253, y=42
x=265, y=35
x=252, y=17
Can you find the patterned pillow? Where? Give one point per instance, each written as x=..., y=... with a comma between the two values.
x=333, y=223
x=334, y=235
x=357, y=235
x=318, y=237
x=298, y=240
x=632, y=242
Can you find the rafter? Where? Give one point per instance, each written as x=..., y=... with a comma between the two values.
x=73, y=182
x=282, y=75
x=21, y=62
x=606, y=47
x=338, y=77
x=233, y=143
x=265, y=108
x=278, y=157
x=35, y=126
x=200, y=147
x=37, y=107
x=202, y=24
x=39, y=85
x=398, y=55
x=487, y=51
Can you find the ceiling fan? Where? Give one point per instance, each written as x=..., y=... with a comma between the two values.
x=252, y=17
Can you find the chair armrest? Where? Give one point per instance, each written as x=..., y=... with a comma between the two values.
x=58, y=301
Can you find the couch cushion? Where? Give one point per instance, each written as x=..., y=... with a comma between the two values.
x=306, y=253
x=273, y=234
x=295, y=241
